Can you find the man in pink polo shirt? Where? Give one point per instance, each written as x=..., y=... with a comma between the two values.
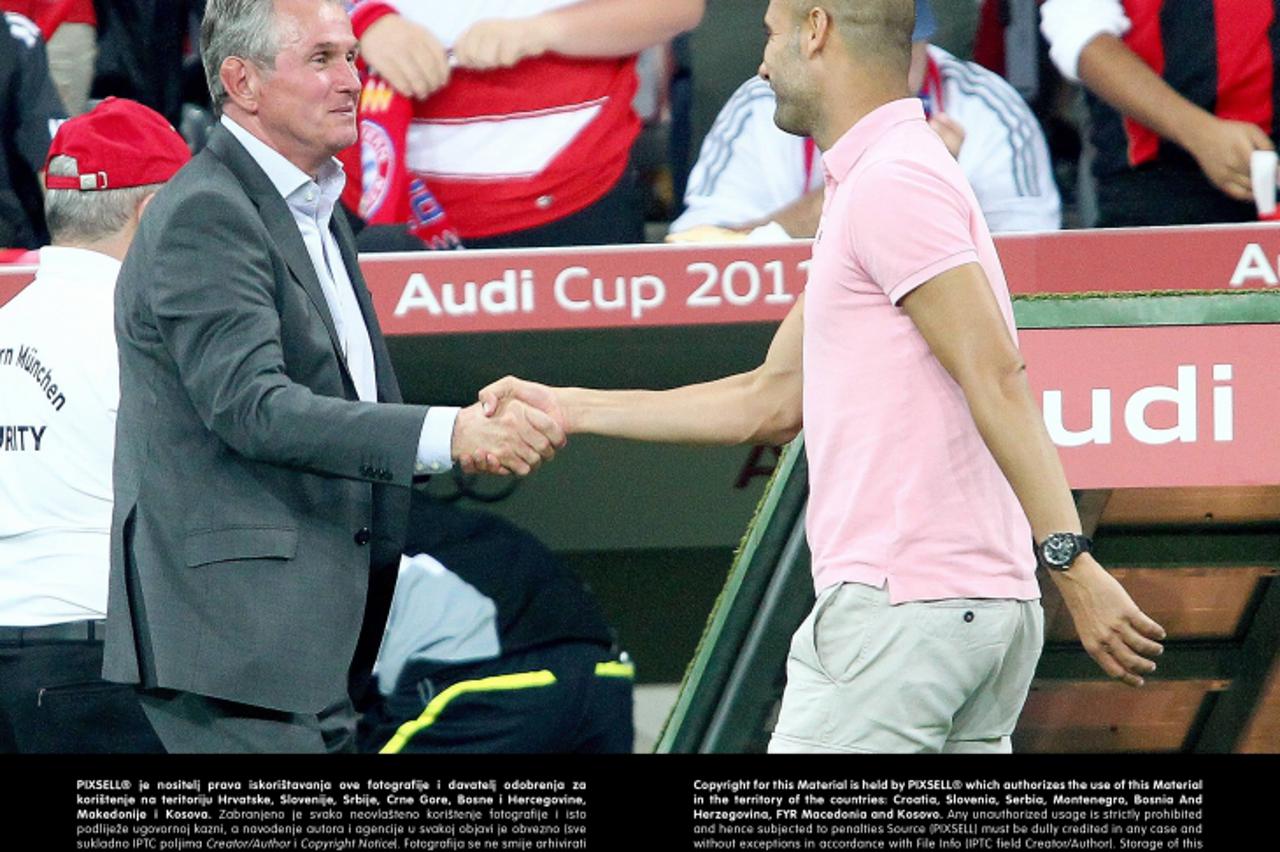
x=931, y=472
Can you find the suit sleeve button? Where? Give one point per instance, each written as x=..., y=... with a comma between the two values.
x=362, y=536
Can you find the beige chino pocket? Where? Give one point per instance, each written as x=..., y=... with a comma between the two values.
x=842, y=627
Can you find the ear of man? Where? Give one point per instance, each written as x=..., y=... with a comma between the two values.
x=142, y=206
x=876, y=31
x=241, y=79
x=815, y=32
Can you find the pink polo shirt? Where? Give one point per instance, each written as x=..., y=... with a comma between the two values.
x=902, y=487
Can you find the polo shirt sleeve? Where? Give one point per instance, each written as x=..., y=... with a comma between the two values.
x=907, y=224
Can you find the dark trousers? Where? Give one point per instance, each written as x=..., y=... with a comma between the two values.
x=561, y=699
x=1158, y=195
x=188, y=723
x=53, y=700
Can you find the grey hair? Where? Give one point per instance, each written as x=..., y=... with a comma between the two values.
x=248, y=29
x=243, y=28
x=74, y=216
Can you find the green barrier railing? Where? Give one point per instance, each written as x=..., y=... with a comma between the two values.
x=734, y=670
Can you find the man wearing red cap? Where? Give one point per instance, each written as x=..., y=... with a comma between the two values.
x=59, y=382
x=264, y=456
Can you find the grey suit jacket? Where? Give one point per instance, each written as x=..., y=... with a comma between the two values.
x=253, y=491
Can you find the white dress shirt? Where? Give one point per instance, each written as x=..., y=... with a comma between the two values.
x=311, y=201
x=59, y=391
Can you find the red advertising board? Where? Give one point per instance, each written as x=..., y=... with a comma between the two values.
x=1128, y=407
x=1203, y=257
x=12, y=279
x=587, y=288
x=1164, y=406
x=637, y=286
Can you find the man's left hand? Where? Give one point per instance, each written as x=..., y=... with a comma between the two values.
x=1119, y=636
x=951, y=131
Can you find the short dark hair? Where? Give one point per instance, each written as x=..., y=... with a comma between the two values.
x=874, y=29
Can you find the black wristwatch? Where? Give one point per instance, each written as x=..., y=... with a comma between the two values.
x=1059, y=550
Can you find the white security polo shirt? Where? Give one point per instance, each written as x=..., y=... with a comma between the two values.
x=748, y=169
x=59, y=390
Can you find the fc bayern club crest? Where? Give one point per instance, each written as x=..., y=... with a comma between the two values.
x=377, y=159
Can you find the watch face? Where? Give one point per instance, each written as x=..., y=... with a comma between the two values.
x=1059, y=549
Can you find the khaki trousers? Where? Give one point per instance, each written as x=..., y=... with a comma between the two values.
x=931, y=676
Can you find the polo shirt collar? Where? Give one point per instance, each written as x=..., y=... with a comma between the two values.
x=841, y=157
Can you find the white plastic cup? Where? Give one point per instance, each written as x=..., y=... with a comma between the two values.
x=1262, y=171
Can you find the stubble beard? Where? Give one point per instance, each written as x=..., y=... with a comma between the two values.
x=793, y=115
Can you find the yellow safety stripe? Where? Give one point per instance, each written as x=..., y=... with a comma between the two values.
x=523, y=680
x=616, y=669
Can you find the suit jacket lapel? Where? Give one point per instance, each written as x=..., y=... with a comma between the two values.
x=282, y=227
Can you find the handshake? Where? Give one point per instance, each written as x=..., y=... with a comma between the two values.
x=514, y=428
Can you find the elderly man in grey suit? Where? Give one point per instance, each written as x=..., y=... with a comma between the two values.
x=263, y=455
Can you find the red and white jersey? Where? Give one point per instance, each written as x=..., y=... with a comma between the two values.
x=51, y=14
x=500, y=150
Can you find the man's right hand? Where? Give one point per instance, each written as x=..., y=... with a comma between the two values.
x=407, y=56
x=516, y=439
x=498, y=398
x=1223, y=148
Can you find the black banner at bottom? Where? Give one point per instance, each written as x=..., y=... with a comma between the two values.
x=662, y=802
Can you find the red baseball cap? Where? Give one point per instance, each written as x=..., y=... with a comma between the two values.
x=118, y=144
